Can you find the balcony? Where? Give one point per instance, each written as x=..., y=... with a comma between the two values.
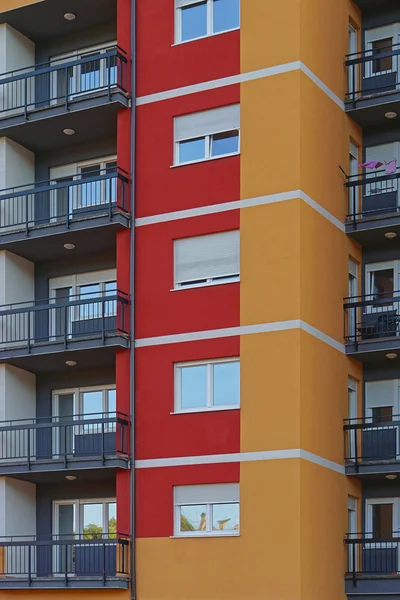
x=96, y=80
x=373, y=84
x=81, y=325
x=33, y=217
x=57, y=444
x=374, y=205
x=372, y=445
x=372, y=325
x=372, y=565
x=73, y=561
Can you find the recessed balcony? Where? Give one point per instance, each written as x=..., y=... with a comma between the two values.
x=373, y=567
x=372, y=445
x=35, y=219
x=82, y=325
x=374, y=206
x=91, y=441
x=373, y=84
x=32, y=96
x=88, y=560
x=372, y=325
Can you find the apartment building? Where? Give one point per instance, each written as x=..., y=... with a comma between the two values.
x=199, y=315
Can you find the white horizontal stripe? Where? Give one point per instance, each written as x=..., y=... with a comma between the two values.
x=238, y=204
x=177, y=338
x=218, y=83
x=241, y=78
x=240, y=457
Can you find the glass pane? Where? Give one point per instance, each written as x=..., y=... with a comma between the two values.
x=227, y=384
x=90, y=74
x=382, y=520
x=194, y=387
x=192, y=150
x=61, y=316
x=111, y=184
x=110, y=306
x=225, y=143
x=90, y=310
x=382, y=414
x=93, y=521
x=382, y=283
x=382, y=47
x=225, y=517
x=226, y=15
x=112, y=401
x=92, y=404
x=112, y=520
x=89, y=194
x=194, y=21
x=193, y=518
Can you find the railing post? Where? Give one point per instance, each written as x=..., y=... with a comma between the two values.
x=65, y=446
x=28, y=452
x=65, y=325
x=26, y=98
x=29, y=566
x=103, y=321
x=66, y=89
x=29, y=331
x=108, y=70
x=102, y=442
x=104, y=563
x=356, y=448
x=110, y=196
x=26, y=215
x=66, y=565
x=67, y=220
x=354, y=83
x=353, y=551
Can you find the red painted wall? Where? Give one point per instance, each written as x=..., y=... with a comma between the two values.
x=154, y=500
x=160, y=188
x=163, y=66
x=160, y=311
x=161, y=434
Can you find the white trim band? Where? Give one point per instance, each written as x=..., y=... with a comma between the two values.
x=241, y=78
x=212, y=459
x=210, y=334
x=239, y=204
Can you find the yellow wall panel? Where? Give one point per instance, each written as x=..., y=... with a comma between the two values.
x=270, y=134
x=6, y=5
x=269, y=33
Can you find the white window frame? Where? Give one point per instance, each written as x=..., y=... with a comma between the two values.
x=352, y=513
x=59, y=58
x=382, y=266
x=208, y=140
x=210, y=23
x=210, y=407
x=376, y=34
x=209, y=532
x=369, y=503
x=353, y=47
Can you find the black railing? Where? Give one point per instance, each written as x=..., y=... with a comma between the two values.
x=372, y=73
x=61, y=81
x=372, y=316
x=88, y=556
x=373, y=195
x=371, y=440
x=63, y=439
x=371, y=556
x=64, y=319
x=70, y=199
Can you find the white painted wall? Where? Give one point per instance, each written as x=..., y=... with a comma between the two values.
x=17, y=507
x=16, y=50
x=17, y=168
x=17, y=279
x=17, y=394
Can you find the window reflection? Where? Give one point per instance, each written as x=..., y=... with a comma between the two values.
x=226, y=384
x=193, y=517
x=225, y=517
x=194, y=387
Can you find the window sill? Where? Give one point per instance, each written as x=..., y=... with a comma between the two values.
x=204, y=160
x=204, y=410
x=201, y=285
x=204, y=37
x=204, y=535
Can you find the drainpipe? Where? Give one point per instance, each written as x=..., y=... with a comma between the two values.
x=132, y=305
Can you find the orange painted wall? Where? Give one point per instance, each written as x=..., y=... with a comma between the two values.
x=11, y=4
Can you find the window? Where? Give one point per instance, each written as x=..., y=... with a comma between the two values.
x=202, y=510
x=207, y=259
x=207, y=135
x=198, y=18
x=207, y=385
x=353, y=191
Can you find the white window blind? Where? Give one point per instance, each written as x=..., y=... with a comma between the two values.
x=181, y=3
x=207, y=122
x=199, y=494
x=352, y=268
x=380, y=393
x=207, y=257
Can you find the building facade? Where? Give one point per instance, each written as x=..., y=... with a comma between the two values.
x=199, y=315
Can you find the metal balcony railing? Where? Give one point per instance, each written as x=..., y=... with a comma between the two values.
x=372, y=316
x=72, y=318
x=29, y=559
x=63, y=439
x=373, y=73
x=76, y=198
x=62, y=81
x=371, y=556
x=373, y=195
x=372, y=440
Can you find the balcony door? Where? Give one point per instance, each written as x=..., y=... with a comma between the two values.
x=79, y=524
x=87, y=293
x=381, y=72
x=381, y=442
x=84, y=196
x=380, y=317
x=382, y=526
x=352, y=415
x=381, y=191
